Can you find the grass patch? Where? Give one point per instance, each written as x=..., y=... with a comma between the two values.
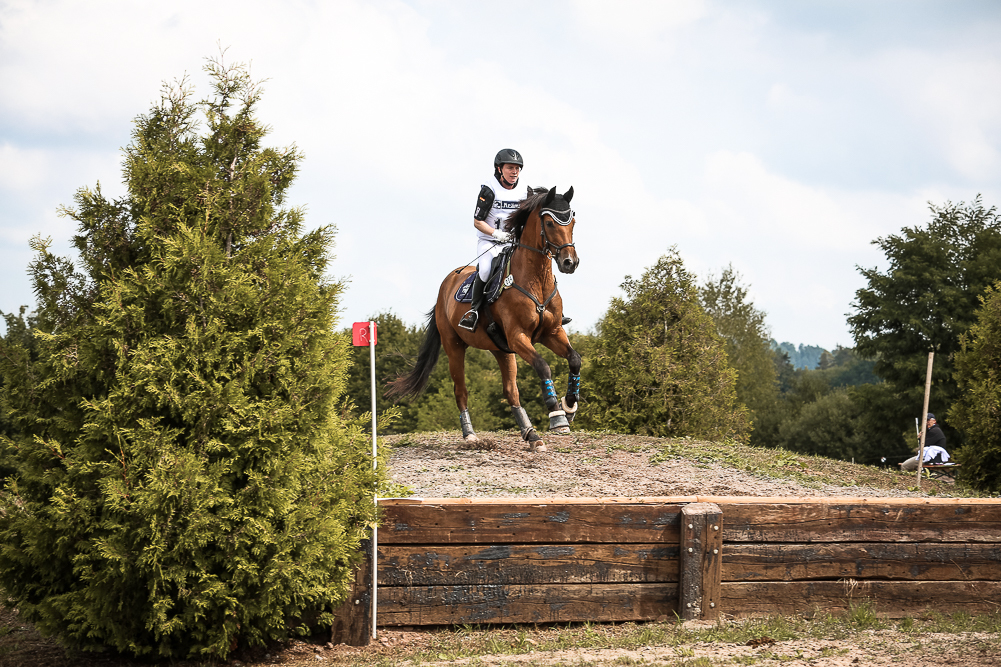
x=808, y=470
x=473, y=642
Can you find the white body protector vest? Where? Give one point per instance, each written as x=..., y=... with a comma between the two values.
x=505, y=203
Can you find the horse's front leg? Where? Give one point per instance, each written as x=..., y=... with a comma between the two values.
x=560, y=344
x=557, y=417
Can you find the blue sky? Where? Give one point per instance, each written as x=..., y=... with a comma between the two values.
x=779, y=137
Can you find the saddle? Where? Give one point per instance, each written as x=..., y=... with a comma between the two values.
x=499, y=279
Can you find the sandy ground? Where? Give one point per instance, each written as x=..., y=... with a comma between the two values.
x=442, y=466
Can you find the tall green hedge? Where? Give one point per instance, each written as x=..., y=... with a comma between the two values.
x=184, y=481
x=977, y=413
x=658, y=367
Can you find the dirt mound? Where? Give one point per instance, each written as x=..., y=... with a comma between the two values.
x=581, y=465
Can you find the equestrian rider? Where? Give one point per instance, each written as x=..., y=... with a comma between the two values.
x=497, y=200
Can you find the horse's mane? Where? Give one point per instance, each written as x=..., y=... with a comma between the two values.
x=516, y=221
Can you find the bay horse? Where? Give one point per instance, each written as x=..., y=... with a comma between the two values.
x=528, y=311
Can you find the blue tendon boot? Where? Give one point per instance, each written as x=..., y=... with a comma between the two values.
x=557, y=418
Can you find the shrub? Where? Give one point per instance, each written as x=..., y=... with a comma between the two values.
x=183, y=480
x=658, y=367
x=978, y=410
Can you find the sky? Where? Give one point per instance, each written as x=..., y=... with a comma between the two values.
x=780, y=138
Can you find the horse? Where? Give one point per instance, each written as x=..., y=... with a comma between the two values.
x=528, y=311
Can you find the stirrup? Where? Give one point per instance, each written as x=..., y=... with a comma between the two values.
x=470, y=320
x=566, y=321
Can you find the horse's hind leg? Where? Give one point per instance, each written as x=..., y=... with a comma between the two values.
x=455, y=350
x=509, y=378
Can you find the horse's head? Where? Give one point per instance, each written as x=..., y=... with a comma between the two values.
x=557, y=220
x=545, y=221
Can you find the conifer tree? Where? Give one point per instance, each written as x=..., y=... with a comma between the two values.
x=745, y=336
x=658, y=366
x=183, y=479
x=978, y=410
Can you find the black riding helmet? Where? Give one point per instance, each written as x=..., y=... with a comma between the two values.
x=508, y=156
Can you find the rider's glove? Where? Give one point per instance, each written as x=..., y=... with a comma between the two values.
x=501, y=236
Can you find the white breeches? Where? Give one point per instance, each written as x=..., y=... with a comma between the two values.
x=487, y=250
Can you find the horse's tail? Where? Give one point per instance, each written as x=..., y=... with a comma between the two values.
x=414, y=382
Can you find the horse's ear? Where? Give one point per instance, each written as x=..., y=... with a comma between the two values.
x=568, y=195
x=550, y=197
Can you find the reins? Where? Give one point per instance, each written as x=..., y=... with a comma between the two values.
x=549, y=250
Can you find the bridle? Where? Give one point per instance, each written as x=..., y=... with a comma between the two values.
x=561, y=218
x=549, y=249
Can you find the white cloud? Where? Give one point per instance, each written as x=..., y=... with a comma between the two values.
x=782, y=97
x=641, y=25
x=955, y=98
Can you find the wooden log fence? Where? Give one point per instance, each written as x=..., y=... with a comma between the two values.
x=558, y=560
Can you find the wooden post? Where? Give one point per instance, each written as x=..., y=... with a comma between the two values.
x=352, y=621
x=701, y=562
x=924, y=416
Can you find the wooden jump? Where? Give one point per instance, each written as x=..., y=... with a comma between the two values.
x=556, y=560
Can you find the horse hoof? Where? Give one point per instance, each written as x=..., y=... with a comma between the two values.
x=558, y=422
x=537, y=446
x=472, y=439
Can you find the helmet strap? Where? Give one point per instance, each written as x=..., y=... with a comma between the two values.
x=503, y=183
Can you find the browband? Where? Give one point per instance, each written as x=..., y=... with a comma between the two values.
x=561, y=218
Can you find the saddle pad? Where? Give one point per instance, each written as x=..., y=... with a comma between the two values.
x=492, y=290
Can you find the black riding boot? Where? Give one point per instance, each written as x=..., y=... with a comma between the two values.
x=472, y=318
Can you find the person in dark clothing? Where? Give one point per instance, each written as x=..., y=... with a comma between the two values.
x=934, y=447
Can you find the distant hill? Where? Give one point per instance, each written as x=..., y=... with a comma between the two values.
x=805, y=356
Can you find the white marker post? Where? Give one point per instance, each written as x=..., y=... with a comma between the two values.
x=365, y=334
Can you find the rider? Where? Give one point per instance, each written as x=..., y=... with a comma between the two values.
x=497, y=199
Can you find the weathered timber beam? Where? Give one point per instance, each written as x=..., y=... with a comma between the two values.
x=891, y=599
x=934, y=561
x=870, y=522
x=546, y=603
x=432, y=565
x=352, y=623
x=701, y=558
x=523, y=522
x=685, y=500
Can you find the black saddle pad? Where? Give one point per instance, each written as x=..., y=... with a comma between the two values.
x=492, y=290
x=493, y=287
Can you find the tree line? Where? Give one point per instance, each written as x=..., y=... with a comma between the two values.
x=675, y=356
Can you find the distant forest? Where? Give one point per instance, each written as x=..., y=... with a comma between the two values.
x=805, y=356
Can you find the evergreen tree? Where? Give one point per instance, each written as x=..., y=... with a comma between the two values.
x=658, y=367
x=978, y=411
x=742, y=328
x=184, y=480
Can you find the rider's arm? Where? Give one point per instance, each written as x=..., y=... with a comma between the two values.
x=483, y=227
x=484, y=201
